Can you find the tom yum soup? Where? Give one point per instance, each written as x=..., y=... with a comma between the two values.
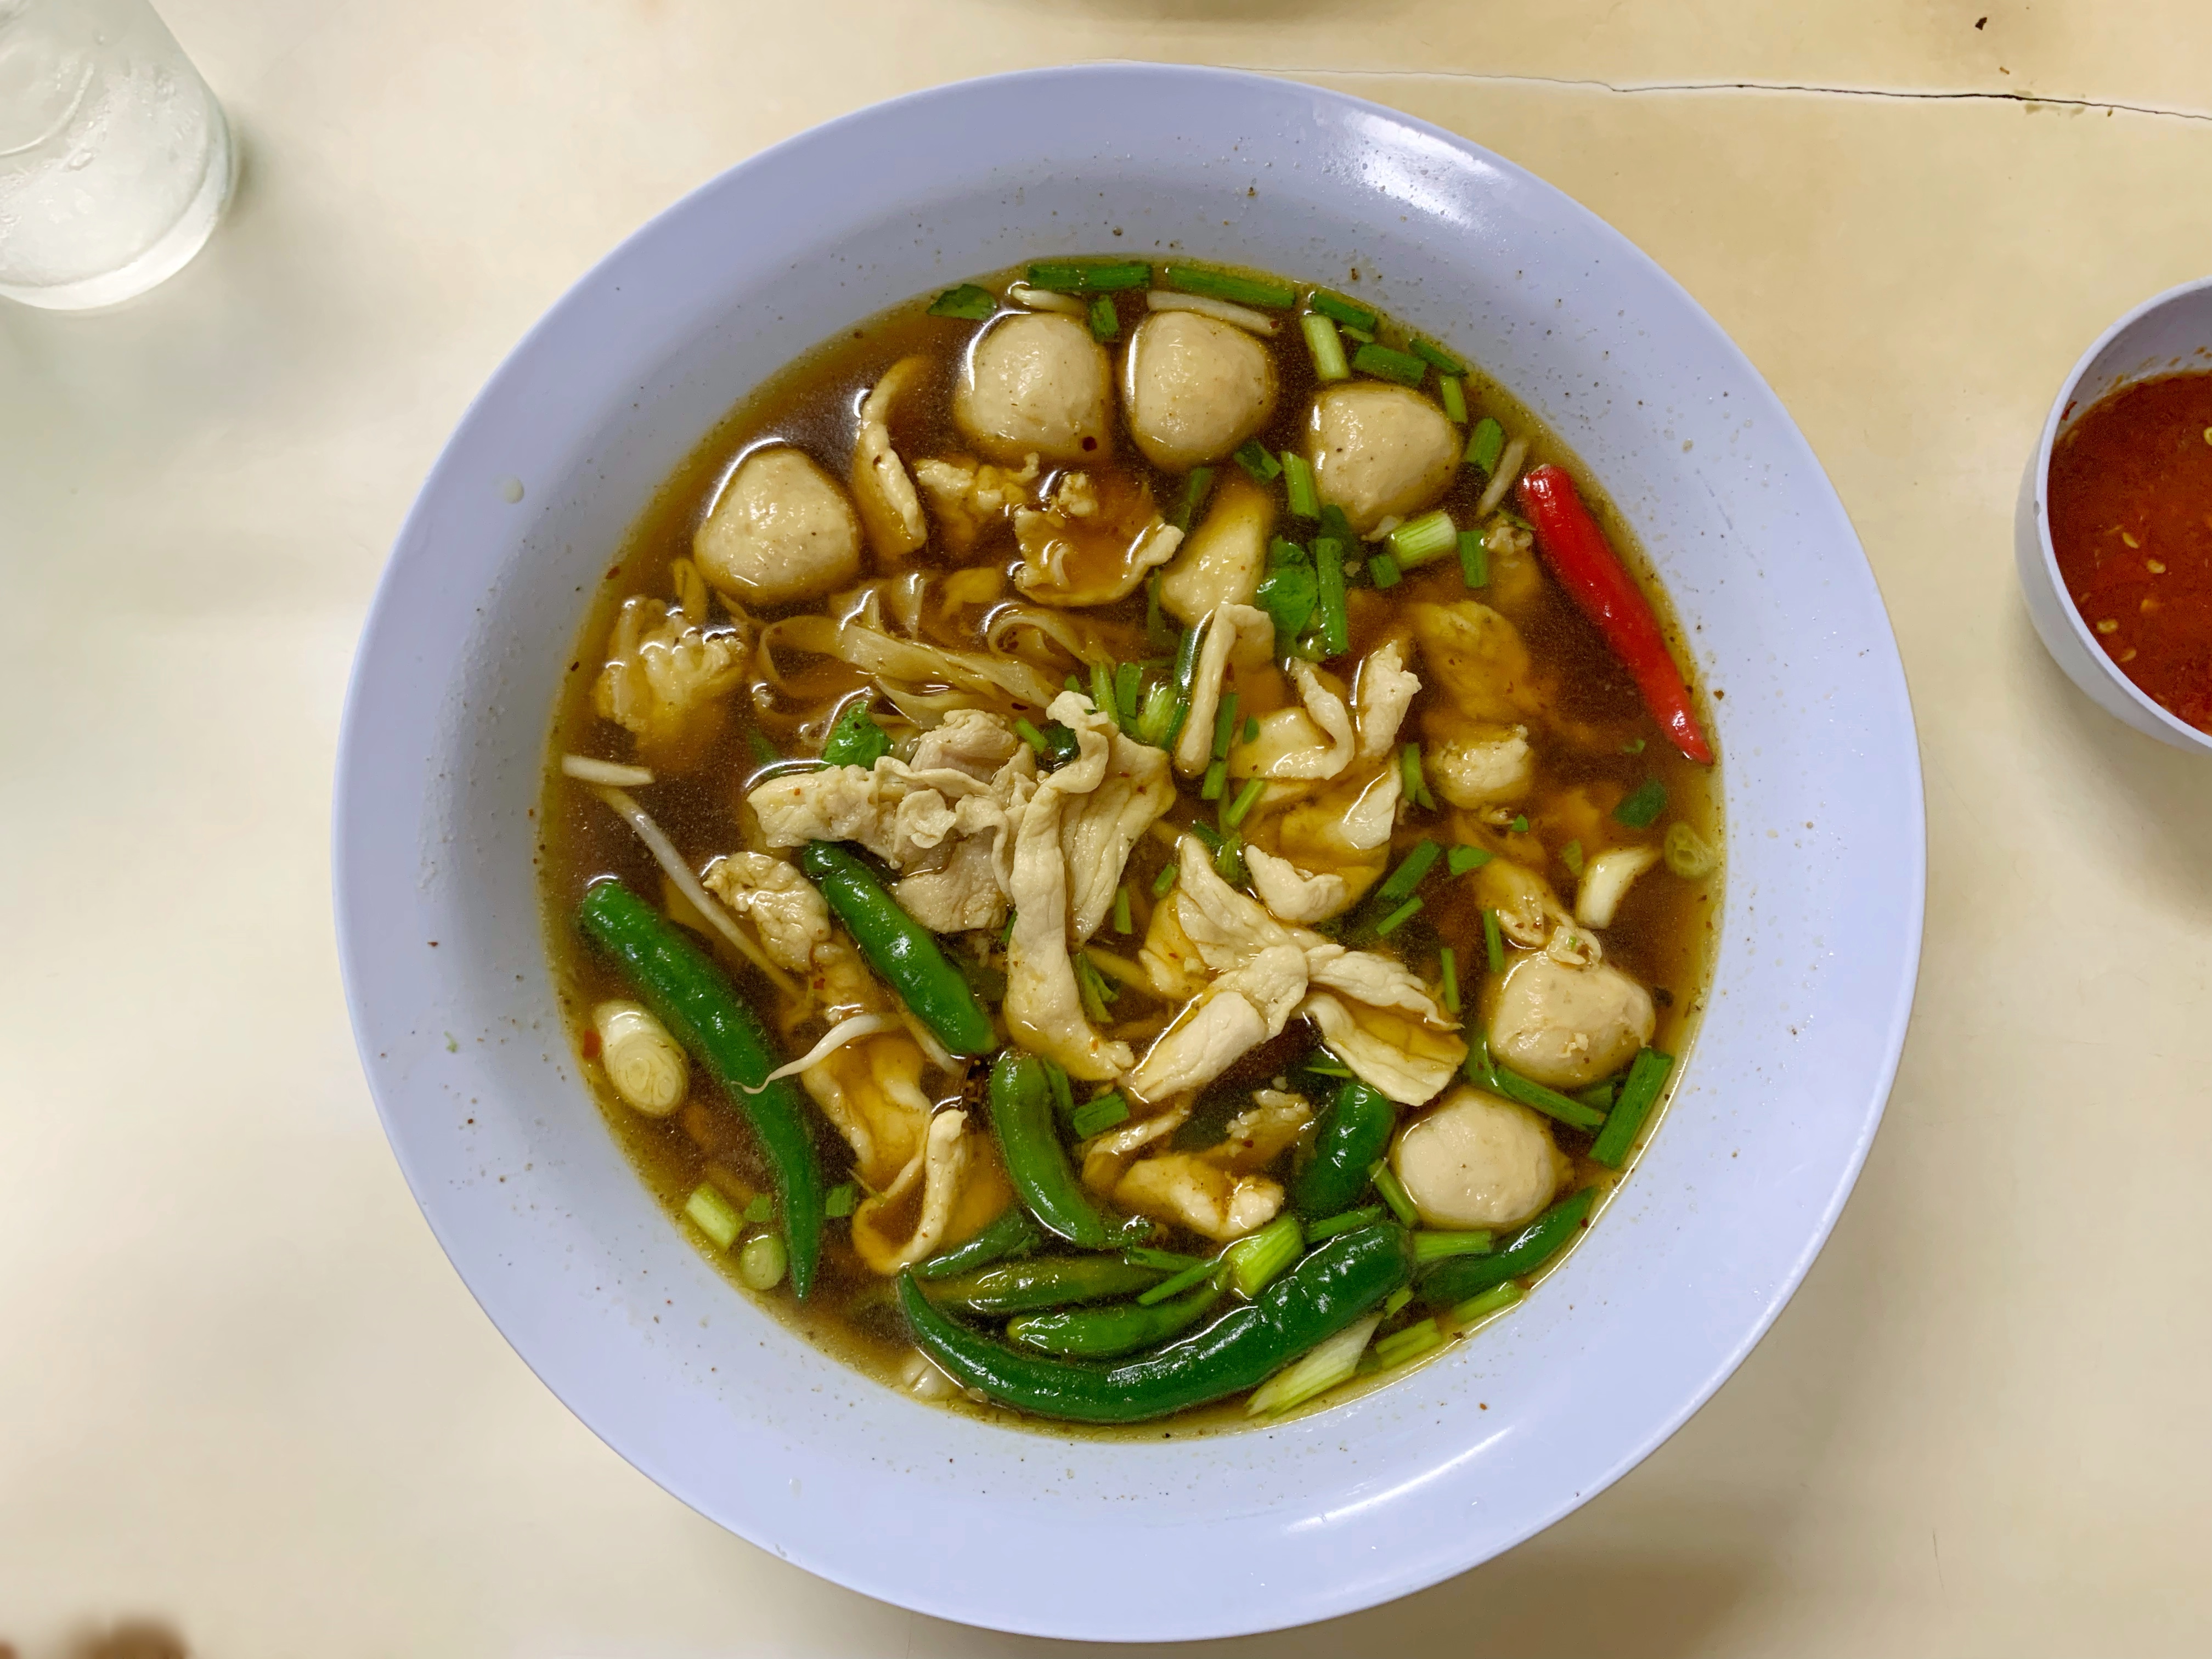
x=1123, y=840
x=2130, y=494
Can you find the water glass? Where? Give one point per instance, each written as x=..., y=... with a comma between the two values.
x=115, y=160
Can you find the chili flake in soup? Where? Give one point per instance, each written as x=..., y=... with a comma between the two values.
x=2130, y=494
x=1120, y=843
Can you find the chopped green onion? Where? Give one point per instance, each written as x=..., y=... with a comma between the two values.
x=1251, y=728
x=1550, y=1102
x=1224, y=726
x=1334, y=525
x=1029, y=735
x=1156, y=715
x=762, y=1262
x=1328, y=582
x=1303, y=499
x=761, y=1208
x=1101, y=692
x=1093, y=988
x=1409, y=872
x=1069, y=277
x=1417, y=541
x=1383, y=363
x=1246, y=799
x=1633, y=746
x=1485, y=445
x=1444, y=362
x=1095, y=1117
x=1397, y=918
x=1238, y=290
x=1122, y=922
x=1326, y=350
x=1216, y=780
x=1187, y=1279
x=1473, y=559
x=1186, y=668
x=1397, y=1299
x=1168, y=1261
x=1255, y=1259
x=1006, y=933
x=1347, y=312
x=1520, y=825
x=1411, y=1343
x=1127, y=679
x=1229, y=861
x=1392, y=1191
x=763, y=750
x=1647, y=1076
x=1454, y=399
x=1358, y=335
x=1461, y=859
x=840, y=1201
x=1641, y=808
x=1687, y=853
x=1163, y=883
x=1495, y=1300
x=1381, y=571
x=1105, y=321
x=967, y=302
x=1195, y=486
x=1448, y=971
x=713, y=1215
x=1282, y=552
x=1410, y=774
x=1478, y=1068
x=1256, y=458
x=1330, y=1226
x=1435, y=1245
x=1493, y=943
x=1322, y=1369
x=1599, y=1095
x=1571, y=856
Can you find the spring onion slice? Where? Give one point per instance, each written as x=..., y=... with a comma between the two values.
x=1418, y=541
x=1435, y=354
x=1163, y=883
x=840, y=1201
x=1257, y=459
x=1318, y=1371
x=1641, y=810
x=1495, y=1300
x=1328, y=575
x=1411, y=1343
x=1246, y=799
x=1473, y=559
x=713, y=1215
x=1303, y=499
x=1189, y=1279
x=1412, y=871
x=1195, y=486
x=1434, y=1245
x=1493, y=942
x=1454, y=399
x=1216, y=780
x=1122, y=922
x=1225, y=725
x=1385, y=364
x=1550, y=1102
x=967, y=302
x=1071, y=276
x=1238, y=290
x=1404, y=914
x=1105, y=321
x=1461, y=859
x=1448, y=971
x=1485, y=445
x=1392, y=1191
x=1096, y=1116
x=1350, y=312
x=1255, y=1259
x=1330, y=1226
x=1326, y=349
x=1383, y=571
x=1647, y=1076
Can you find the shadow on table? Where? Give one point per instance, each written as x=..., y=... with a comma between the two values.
x=2170, y=788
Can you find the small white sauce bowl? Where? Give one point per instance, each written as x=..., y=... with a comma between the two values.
x=2168, y=334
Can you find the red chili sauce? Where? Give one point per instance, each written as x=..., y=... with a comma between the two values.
x=2131, y=519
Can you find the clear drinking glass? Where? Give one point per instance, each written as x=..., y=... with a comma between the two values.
x=115, y=160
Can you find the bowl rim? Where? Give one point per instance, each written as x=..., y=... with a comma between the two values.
x=1888, y=1019
x=2184, y=734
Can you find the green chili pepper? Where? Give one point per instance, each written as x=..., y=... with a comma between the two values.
x=1110, y=1332
x=1325, y=1292
x=1457, y=1278
x=899, y=948
x=695, y=999
x=1046, y=1281
x=1036, y=1162
x=1354, y=1132
x=1012, y=1234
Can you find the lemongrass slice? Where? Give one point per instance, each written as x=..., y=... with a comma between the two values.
x=1508, y=471
x=664, y=852
x=844, y=1031
x=613, y=774
x=1244, y=317
x=1043, y=299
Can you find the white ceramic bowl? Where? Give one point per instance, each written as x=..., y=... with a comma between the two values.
x=446, y=965
x=2169, y=332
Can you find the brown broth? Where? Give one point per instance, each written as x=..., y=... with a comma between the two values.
x=1663, y=935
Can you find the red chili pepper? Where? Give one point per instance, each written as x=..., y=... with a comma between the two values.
x=1602, y=589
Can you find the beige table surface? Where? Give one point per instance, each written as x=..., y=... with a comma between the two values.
x=242, y=1392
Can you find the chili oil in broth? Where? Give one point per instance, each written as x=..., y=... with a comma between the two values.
x=1662, y=935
